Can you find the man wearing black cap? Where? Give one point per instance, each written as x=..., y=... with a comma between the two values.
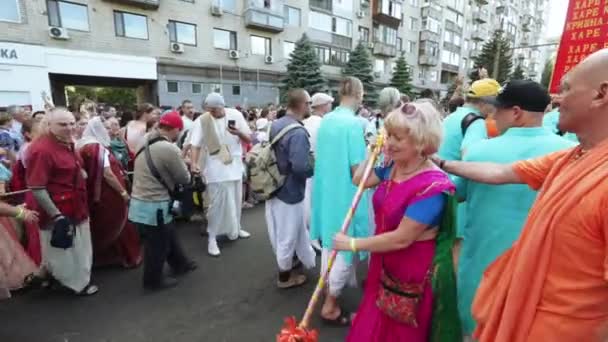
x=495, y=214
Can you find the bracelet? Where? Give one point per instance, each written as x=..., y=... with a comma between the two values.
x=442, y=164
x=20, y=213
x=353, y=245
x=123, y=193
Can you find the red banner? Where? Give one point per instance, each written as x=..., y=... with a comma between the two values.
x=585, y=31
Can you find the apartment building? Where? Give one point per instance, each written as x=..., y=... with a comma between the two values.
x=177, y=49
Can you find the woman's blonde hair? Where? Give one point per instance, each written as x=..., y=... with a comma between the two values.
x=351, y=87
x=422, y=124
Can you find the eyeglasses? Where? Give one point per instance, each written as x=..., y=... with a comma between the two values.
x=309, y=102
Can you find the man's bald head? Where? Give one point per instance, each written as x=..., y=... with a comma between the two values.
x=61, y=123
x=583, y=98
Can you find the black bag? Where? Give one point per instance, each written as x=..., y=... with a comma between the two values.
x=183, y=193
x=468, y=120
x=62, y=235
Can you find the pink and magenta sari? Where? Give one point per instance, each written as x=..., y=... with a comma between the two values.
x=410, y=264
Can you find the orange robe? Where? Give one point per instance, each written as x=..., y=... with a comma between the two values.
x=552, y=285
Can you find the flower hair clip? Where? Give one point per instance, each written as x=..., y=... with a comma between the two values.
x=409, y=110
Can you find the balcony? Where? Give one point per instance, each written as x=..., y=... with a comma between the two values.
x=426, y=35
x=387, y=12
x=481, y=16
x=482, y=2
x=144, y=4
x=384, y=49
x=266, y=18
x=426, y=59
x=449, y=67
x=474, y=53
x=451, y=26
x=321, y=4
x=431, y=11
x=479, y=35
x=330, y=38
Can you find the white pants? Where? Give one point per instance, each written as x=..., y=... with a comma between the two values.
x=71, y=266
x=224, y=213
x=341, y=274
x=308, y=203
x=287, y=233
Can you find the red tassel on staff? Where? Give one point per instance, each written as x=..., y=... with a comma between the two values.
x=292, y=333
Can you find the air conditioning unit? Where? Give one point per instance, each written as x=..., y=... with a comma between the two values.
x=377, y=74
x=370, y=45
x=177, y=47
x=233, y=54
x=268, y=59
x=58, y=33
x=216, y=9
x=360, y=14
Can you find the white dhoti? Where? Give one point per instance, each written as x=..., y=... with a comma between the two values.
x=287, y=233
x=342, y=273
x=224, y=212
x=308, y=203
x=71, y=266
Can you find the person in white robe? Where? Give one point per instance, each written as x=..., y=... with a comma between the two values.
x=285, y=210
x=216, y=141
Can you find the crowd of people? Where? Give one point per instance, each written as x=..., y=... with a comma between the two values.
x=485, y=224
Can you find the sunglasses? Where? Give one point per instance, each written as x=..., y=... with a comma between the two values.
x=409, y=110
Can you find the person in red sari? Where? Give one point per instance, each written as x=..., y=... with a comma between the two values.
x=115, y=241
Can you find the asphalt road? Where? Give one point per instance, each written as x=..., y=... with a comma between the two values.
x=228, y=299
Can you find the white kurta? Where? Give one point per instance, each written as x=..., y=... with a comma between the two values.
x=287, y=233
x=71, y=266
x=342, y=273
x=224, y=212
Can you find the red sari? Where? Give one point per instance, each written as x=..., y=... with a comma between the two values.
x=115, y=240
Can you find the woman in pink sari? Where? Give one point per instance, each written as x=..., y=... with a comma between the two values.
x=115, y=240
x=397, y=304
x=15, y=264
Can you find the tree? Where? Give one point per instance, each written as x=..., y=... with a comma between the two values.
x=360, y=66
x=498, y=44
x=547, y=73
x=401, y=77
x=518, y=73
x=304, y=69
x=122, y=98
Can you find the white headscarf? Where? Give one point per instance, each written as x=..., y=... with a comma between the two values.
x=94, y=133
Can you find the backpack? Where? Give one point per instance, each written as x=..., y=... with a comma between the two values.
x=467, y=121
x=264, y=176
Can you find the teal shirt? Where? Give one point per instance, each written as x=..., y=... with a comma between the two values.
x=144, y=212
x=550, y=121
x=495, y=214
x=453, y=144
x=340, y=145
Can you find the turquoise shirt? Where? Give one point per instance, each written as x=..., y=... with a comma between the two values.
x=340, y=145
x=144, y=212
x=453, y=144
x=495, y=214
x=550, y=121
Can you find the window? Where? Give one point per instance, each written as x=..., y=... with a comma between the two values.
x=379, y=66
x=236, y=90
x=332, y=56
x=431, y=24
x=172, y=87
x=413, y=24
x=131, y=25
x=364, y=34
x=9, y=10
x=411, y=46
x=292, y=16
x=215, y=88
x=391, y=8
x=197, y=88
x=223, y=39
x=260, y=46
x=229, y=5
x=68, y=15
x=320, y=21
x=182, y=32
x=399, y=44
x=288, y=48
x=385, y=34
x=414, y=3
x=343, y=27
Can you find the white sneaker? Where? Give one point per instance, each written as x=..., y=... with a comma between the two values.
x=212, y=248
x=243, y=234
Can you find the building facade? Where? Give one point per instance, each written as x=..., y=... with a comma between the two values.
x=183, y=49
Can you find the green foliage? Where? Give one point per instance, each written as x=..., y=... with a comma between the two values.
x=123, y=98
x=518, y=73
x=402, y=79
x=498, y=44
x=360, y=66
x=547, y=73
x=304, y=69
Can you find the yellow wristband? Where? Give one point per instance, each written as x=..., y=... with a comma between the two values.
x=353, y=245
x=20, y=214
